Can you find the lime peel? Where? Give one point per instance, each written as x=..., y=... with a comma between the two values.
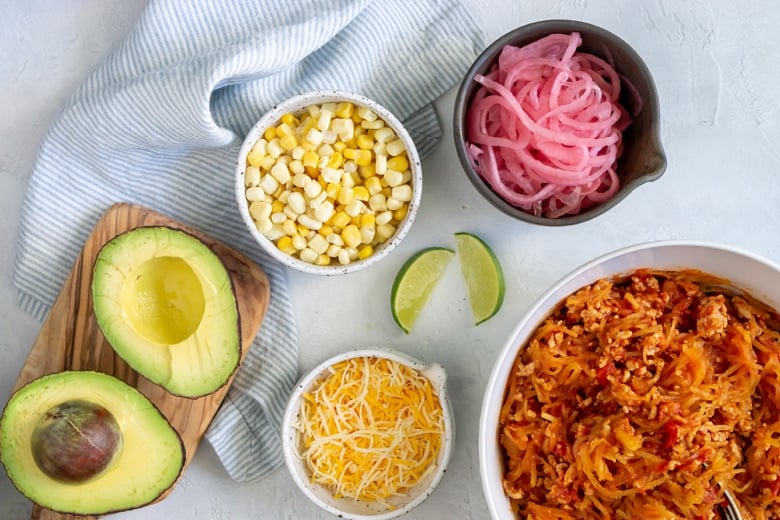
x=415, y=282
x=483, y=276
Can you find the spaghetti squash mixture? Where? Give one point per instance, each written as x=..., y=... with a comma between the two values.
x=646, y=398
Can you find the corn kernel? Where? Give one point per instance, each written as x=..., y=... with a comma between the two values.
x=329, y=136
x=324, y=211
x=289, y=227
x=344, y=257
x=376, y=124
x=347, y=180
x=396, y=147
x=393, y=178
x=278, y=217
x=333, y=251
x=322, y=260
x=339, y=146
x=269, y=133
x=373, y=185
x=361, y=193
x=344, y=109
x=303, y=231
x=367, y=220
x=312, y=189
x=318, y=244
x=296, y=167
x=365, y=142
x=268, y=183
x=288, y=142
x=277, y=206
x=260, y=210
x=377, y=202
x=380, y=164
x=335, y=239
x=363, y=157
x=351, y=235
x=346, y=195
x=280, y=172
x=256, y=154
x=384, y=135
x=285, y=245
x=274, y=148
x=336, y=160
x=394, y=204
x=400, y=213
x=264, y=226
x=330, y=174
x=399, y=163
x=332, y=189
x=340, y=219
x=289, y=119
x=366, y=113
x=298, y=242
x=268, y=162
x=275, y=233
x=323, y=121
x=310, y=159
x=318, y=200
x=252, y=176
x=283, y=129
x=385, y=231
x=365, y=252
x=367, y=171
x=354, y=208
x=308, y=256
x=367, y=234
x=325, y=230
x=384, y=217
x=296, y=202
x=402, y=193
x=309, y=222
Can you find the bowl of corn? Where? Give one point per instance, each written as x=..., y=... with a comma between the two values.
x=328, y=182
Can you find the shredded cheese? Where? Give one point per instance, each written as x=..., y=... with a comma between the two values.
x=371, y=429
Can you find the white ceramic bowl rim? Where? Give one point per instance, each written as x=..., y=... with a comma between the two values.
x=296, y=104
x=745, y=270
x=435, y=374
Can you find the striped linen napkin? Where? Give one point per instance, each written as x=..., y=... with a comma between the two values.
x=160, y=123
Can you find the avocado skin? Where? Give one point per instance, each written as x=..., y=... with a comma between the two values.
x=150, y=460
x=166, y=303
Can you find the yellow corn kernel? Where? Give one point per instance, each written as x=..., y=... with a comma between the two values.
x=336, y=160
x=373, y=185
x=310, y=159
x=289, y=119
x=365, y=252
x=285, y=245
x=340, y=219
x=325, y=230
x=351, y=235
x=356, y=117
x=344, y=109
x=277, y=206
x=364, y=142
x=361, y=193
x=283, y=129
x=269, y=133
x=400, y=213
x=367, y=171
x=349, y=153
x=339, y=146
x=346, y=195
x=288, y=142
x=363, y=157
x=302, y=230
x=398, y=163
x=355, y=220
x=322, y=260
x=332, y=189
x=367, y=220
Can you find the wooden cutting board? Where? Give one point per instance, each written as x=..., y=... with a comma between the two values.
x=71, y=340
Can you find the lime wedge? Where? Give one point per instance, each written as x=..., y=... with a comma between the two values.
x=483, y=275
x=414, y=283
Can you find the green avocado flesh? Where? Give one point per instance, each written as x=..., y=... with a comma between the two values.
x=166, y=304
x=87, y=443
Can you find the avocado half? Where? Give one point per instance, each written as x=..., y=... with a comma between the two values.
x=73, y=411
x=166, y=304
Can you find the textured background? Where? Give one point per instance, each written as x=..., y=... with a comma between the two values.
x=715, y=69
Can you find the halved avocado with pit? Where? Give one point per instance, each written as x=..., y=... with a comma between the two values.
x=87, y=443
x=166, y=304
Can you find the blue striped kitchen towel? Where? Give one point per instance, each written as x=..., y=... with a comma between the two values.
x=160, y=122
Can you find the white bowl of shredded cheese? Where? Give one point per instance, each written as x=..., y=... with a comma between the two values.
x=328, y=182
x=367, y=434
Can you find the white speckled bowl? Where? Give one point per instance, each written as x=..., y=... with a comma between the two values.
x=296, y=105
x=744, y=272
x=346, y=507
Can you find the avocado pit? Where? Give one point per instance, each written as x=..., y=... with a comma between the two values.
x=75, y=441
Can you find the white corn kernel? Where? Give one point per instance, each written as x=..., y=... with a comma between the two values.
x=352, y=252
x=395, y=147
x=377, y=202
x=278, y=217
x=367, y=234
x=297, y=153
x=283, y=196
x=268, y=162
x=402, y=193
x=333, y=250
x=385, y=231
x=301, y=180
x=329, y=136
x=350, y=166
x=298, y=242
x=255, y=193
x=252, y=176
x=269, y=184
x=314, y=136
x=309, y=222
x=325, y=150
x=354, y=208
x=308, y=256
x=275, y=233
x=380, y=164
x=289, y=227
x=318, y=200
x=291, y=213
x=394, y=204
x=393, y=178
x=274, y=148
x=344, y=257
x=367, y=114
x=260, y=210
x=281, y=172
x=323, y=121
x=384, y=135
x=384, y=217
x=296, y=201
x=331, y=175
x=347, y=181
x=318, y=244
x=335, y=239
x=263, y=226
x=376, y=124
x=324, y=211
x=296, y=167
x=312, y=189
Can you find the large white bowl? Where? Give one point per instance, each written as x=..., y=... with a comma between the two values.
x=746, y=272
x=359, y=509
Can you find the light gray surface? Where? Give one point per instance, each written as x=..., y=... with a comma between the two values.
x=717, y=75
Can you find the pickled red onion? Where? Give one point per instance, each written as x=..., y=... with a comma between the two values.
x=545, y=128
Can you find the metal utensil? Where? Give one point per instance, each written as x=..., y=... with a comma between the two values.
x=729, y=510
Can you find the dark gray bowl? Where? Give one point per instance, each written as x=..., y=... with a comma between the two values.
x=643, y=158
